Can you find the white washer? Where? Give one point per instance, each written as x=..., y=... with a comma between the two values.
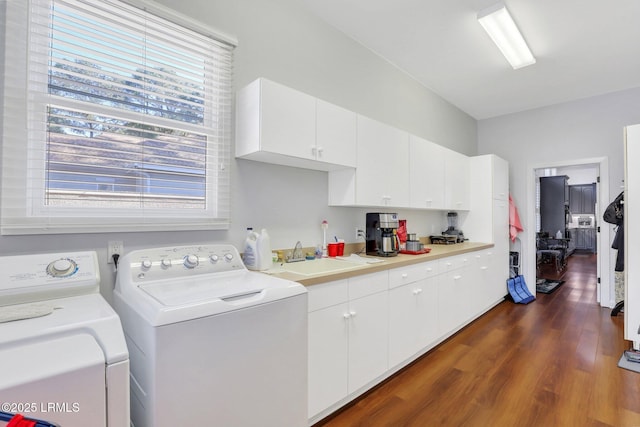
x=62, y=349
x=212, y=343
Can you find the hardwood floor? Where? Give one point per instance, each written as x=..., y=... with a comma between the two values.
x=552, y=362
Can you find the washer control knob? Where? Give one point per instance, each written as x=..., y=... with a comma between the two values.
x=214, y=258
x=166, y=263
x=191, y=261
x=62, y=267
x=146, y=264
x=228, y=257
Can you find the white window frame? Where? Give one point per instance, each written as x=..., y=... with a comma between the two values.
x=22, y=210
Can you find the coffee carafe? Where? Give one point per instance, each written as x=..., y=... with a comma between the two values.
x=381, y=234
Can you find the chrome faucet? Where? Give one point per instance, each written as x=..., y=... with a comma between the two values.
x=297, y=253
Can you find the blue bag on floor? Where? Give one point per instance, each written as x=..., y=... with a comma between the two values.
x=519, y=291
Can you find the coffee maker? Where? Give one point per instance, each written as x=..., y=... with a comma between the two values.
x=381, y=237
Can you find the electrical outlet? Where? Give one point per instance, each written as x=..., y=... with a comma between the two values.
x=114, y=247
x=359, y=233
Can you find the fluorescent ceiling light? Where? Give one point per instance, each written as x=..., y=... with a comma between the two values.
x=498, y=23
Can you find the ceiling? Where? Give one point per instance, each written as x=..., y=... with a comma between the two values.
x=583, y=48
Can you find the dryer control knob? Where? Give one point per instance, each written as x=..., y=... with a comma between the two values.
x=214, y=258
x=61, y=268
x=166, y=262
x=146, y=264
x=191, y=261
x=228, y=257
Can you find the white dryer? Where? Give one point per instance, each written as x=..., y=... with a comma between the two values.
x=62, y=349
x=212, y=344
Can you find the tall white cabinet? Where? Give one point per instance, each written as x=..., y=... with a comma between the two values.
x=488, y=217
x=632, y=235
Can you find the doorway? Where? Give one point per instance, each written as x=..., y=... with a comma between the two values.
x=582, y=170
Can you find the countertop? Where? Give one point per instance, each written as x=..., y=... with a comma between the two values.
x=437, y=252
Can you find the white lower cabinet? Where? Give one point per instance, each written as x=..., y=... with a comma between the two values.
x=482, y=286
x=367, y=339
x=454, y=299
x=413, y=310
x=328, y=357
x=363, y=329
x=348, y=337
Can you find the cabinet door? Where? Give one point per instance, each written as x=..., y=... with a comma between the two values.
x=553, y=190
x=382, y=173
x=453, y=300
x=288, y=121
x=427, y=306
x=589, y=199
x=488, y=279
x=457, y=181
x=582, y=199
x=500, y=178
x=368, y=339
x=404, y=317
x=328, y=357
x=413, y=319
x=501, y=241
x=575, y=199
x=426, y=174
x=590, y=239
x=335, y=134
x=580, y=242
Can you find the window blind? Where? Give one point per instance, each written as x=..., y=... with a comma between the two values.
x=114, y=119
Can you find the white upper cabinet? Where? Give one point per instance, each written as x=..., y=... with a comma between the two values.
x=280, y=125
x=335, y=134
x=381, y=176
x=369, y=162
x=457, y=180
x=382, y=173
x=426, y=174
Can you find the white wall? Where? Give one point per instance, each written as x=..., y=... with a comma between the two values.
x=561, y=135
x=586, y=174
x=280, y=40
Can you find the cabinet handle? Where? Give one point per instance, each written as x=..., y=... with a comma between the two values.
x=314, y=151
x=429, y=270
x=405, y=275
x=458, y=277
x=320, y=150
x=346, y=315
x=417, y=291
x=352, y=313
x=483, y=267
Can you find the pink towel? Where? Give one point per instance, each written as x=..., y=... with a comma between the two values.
x=515, y=226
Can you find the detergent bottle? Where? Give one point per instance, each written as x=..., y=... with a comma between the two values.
x=264, y=251
x=250, y=251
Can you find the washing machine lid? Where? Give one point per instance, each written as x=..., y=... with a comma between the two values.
x=225, y=286
x=88, y=315
x=173, y=301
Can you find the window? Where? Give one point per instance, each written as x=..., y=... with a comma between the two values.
x=122, y=123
